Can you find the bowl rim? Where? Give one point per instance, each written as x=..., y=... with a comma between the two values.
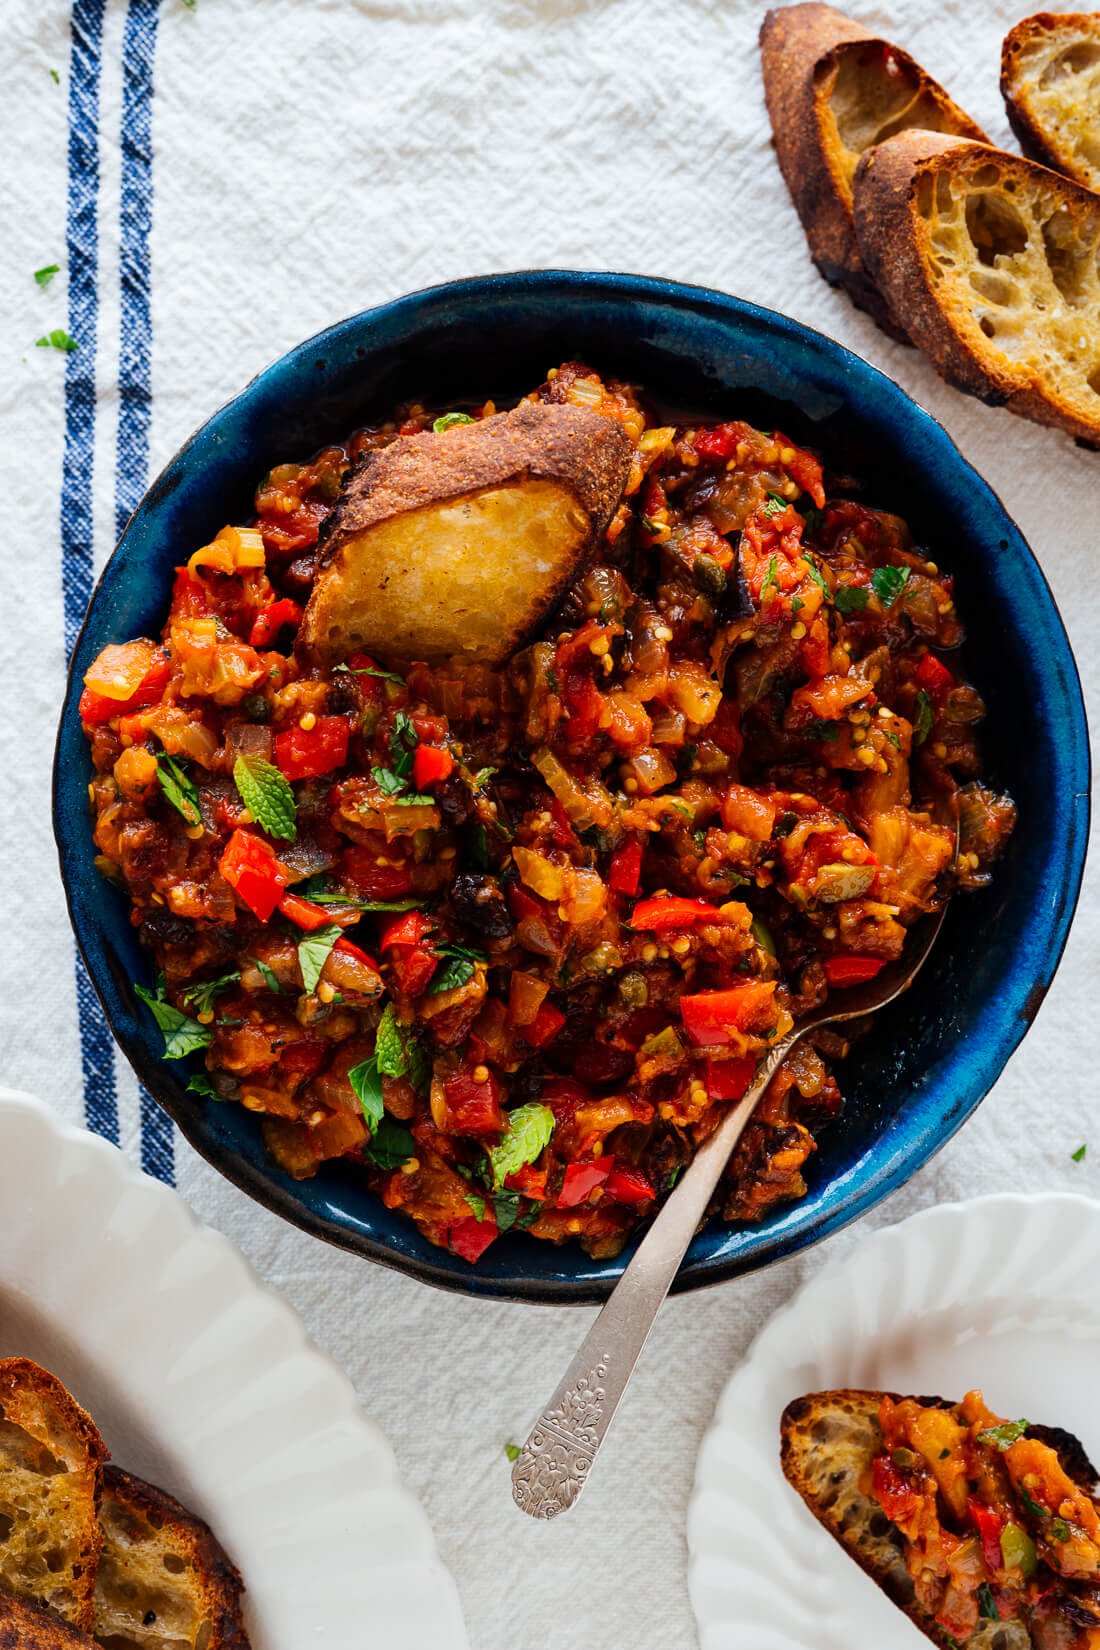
x=884, y=1177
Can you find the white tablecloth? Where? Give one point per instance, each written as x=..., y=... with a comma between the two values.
x=308, y=158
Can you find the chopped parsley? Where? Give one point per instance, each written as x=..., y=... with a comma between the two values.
x=57, y=339
x=776, y=504
x=851, y=598
x=55, y=77
x=888, y=583
x=1079, y=1155
x=182, y=1035
x=816, y=574
x=512, y=1451
x=403, y=743
x=370, y=670
x=265, y=791
x=449, y=420
x=925, y=718
x=45, y=275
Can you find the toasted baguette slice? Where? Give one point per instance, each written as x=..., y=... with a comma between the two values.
x=833, y=89
x=992, y=261
x=51, y=1459
x=459, y=543
x=1050, y=81
x=827, y=1443
x=29, y=1627
x=164, y=1582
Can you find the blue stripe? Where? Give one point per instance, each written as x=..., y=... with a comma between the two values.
x=134, y=371
x=82, y=248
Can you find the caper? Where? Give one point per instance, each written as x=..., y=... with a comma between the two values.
x=708, y=575
x=256, y=707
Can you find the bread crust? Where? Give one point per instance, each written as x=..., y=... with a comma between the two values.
x=571, y=452
x=1036, y=138
x=26, y=1626
x=802, y=50
x=128, y=1501
x=36, y=1401
x=895, y=242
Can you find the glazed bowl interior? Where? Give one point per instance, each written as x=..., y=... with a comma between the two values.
x=928, y=1060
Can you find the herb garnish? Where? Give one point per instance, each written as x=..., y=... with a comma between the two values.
x=400, y=1053
x=529, y=1130
x=925, y=717
x=851, y=598
x=1079, y=1155
x=370, y=670
x=57, y=339
x=776, y=504
x=449, y=420
x=182, y=1035
x=457, y=968
x=45, y=275
x=269, y=976
x=201, y=996
x=178, y=788
x=987, y=1604
x=313, y=953
x=770, y=578
x=889, y=582
x=266, y=793
x=390, y=1146
x=512, y=1451
x=199, y=1083
x=367, y=1083
x=1004, y=1436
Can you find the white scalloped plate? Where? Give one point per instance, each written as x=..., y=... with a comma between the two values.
x=1002, y=1293
x=203, y=1380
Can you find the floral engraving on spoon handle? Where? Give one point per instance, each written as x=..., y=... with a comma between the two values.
x=551, y=1469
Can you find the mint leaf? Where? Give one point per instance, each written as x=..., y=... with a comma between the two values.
x=45, y=275
x=477, y=1204
x=270, y=978
x=1079, y=1155
x=367, y=1084
x=506, y=1210
x=182, y=1035
x=851, y=598
x=390, y=1146
x=201, y=996
x=388, y=782
x=925, y=718
x=266, y=793
x=1004, y=1436
x=199, y=1083
x=390, y=1045
x=449, y=420
x=454, y=972
x=313, y=953
x=403, y=743
x=529, y=1130
x=987, y=1605
x=178, y=788
x=888, y=583
x=57, y=339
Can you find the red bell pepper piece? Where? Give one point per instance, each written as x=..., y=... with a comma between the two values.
x=350, y=949
x=989, y=1524
x=528, y=1180
x=407, y=929
x=629, y=1186
x=713, y=1016
x=472, y=1107
x=431, y=764
x=719, y=442
x=544, y=1027
x=581, y=1180
x=270, y=620
x=303, y=754
x=305, y=1057
x=624, y=874
x=304, y=912
x=254, y=873
x=470, y=1238
x=729, y=1079
x=668, y=913
x=893, y=1491
x=188, y=595
x=843, y=971
x=96, y=708
x=934, y=677
x=412, y=969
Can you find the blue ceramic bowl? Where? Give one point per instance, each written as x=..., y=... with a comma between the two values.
x=929, y=1060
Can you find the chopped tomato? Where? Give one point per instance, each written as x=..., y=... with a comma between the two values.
x=581, y=1180
x=720, y=442
x=123, y=680
x=661, y=914
x=528, y=1180
x=544, y=1027
x=473, y=1107
x=470, y=1238
x=269, y=621
x=893, y=1491
x=989, y=1524
x=729, y=1079
x=713, y=1016
x=629, y=1186
x=304, y=912
x=407, y=929
x=412, y=968
x=625, y=871
x=303, y=753
x=254, y=873
x=842, y=971
x=934, y=677
x=431, y=764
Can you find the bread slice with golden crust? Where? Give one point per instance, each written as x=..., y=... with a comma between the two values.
x=834, y=89
x=164, y=1581
x=459, y=543
x=827, y=1443
x=1050, y=81
x=992, y=262
x=51, y=1459
x=26, y=1626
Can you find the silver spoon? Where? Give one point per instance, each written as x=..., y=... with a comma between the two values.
x=553, y=1466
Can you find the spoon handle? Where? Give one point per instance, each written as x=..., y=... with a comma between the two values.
x=552, y=1468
